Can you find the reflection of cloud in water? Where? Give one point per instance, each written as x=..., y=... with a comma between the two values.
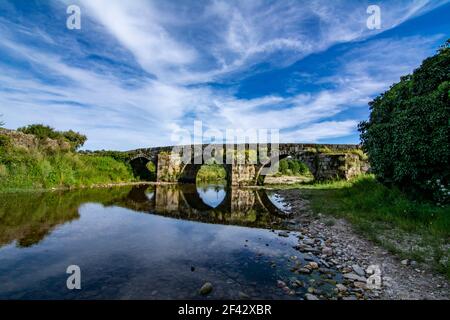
x=278, y=201
x=212, y=196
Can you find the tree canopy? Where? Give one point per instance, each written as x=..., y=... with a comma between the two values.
x=407, y=136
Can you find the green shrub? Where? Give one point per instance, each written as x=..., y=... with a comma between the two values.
x=407, y=135
x=42, y=132
x=293, y=167
x=5, y=141
x=211, y=172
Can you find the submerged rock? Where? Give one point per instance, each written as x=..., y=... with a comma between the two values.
x=206, y=289
x=243, y=295
x=283, y=234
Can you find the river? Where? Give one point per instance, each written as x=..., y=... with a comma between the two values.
x=148, y=242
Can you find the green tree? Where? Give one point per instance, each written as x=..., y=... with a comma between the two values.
x=40, y=131
x=408, y=132
x=283, y=166
x=75, y=139
x=1, y=122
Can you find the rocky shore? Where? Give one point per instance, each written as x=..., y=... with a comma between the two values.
x=368, y=271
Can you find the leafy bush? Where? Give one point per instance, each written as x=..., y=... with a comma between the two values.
x=76, y=139
x=5, y=141
x=293, y=167
x=43, y=132
x=211, y=172
x=407, y=135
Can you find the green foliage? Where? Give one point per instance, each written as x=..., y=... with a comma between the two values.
x=2, y=123
x=76, y=139
x=407, y=135
x=42, y=132
x=5, y=141
x=25, y=169
x=211, y=172
x=293, y=167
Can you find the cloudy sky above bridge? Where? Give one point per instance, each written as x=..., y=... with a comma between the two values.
x=138, y=71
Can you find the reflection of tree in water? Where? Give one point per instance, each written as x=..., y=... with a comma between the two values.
x=30, y=217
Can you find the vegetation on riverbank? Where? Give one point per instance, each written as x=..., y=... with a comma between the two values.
x=408, y=132
x=31, y=162
x=410, y=228
x=211, y=173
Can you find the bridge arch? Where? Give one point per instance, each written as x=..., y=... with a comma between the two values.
x=189, y=172
x=306, y=158
x=140, y=165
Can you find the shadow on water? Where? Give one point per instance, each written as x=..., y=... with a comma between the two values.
x=145, y=242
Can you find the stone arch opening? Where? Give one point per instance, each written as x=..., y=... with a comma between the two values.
x=299, y=165
x=143, y=168
x=196, y=201
x=195, y=173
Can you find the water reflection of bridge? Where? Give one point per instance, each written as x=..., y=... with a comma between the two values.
x=29, y=218
x=246, y=207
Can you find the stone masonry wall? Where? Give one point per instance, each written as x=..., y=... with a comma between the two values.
x=168, y=168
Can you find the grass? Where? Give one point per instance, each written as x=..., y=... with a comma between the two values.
x=22, y=169
x=407, y=227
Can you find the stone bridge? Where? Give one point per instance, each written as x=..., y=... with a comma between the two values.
x=244, y=163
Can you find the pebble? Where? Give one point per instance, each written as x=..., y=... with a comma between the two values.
x=358, y=270
x=206, y=289
x=304, y=270
x=313, y=265
x=310, y=296
x=327, y=251
x=361, y=285
x=243, y=296
x=354, y=277
x=283, y=234
x=341, y=287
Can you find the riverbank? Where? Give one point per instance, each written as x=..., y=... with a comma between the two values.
x=412, y=253
x=35, y=170
x=38, y=162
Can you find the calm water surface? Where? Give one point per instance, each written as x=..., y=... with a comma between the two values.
x=147, y=242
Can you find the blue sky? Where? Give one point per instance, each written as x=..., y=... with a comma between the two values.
x=140, y=72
